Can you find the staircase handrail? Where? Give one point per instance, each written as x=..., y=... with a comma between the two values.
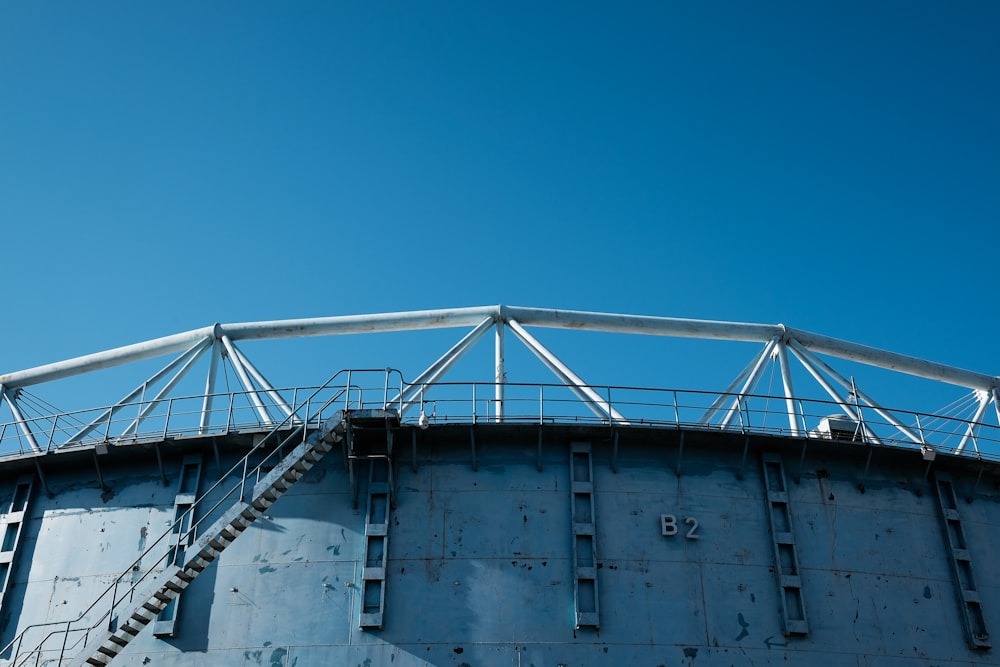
x=188, y=534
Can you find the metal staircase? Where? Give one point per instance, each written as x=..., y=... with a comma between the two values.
x=87, y=640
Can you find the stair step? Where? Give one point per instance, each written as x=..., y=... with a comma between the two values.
x=155, y=607
x=110, y=652
x=216, y=538
x=129, y=628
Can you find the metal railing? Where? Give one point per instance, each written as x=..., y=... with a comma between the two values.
x=444, y=403
x=452, y=403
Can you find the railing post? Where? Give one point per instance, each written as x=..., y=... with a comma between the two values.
x=541, y=404
x=474, y=403
x=243, y=480
x=677, y=413
x=166, y=421
x=347, y=392
x=385, y=392
x=52, y=433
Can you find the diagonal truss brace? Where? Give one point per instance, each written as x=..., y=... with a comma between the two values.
x=171, y=383
x=182, y=361
x=411, y=394
x=235, y=358
x=599, y=406
x=22, y=423
x=264, y=384
x=879, y=410
x=984, y=398
x=813, y=365
x=745, y=377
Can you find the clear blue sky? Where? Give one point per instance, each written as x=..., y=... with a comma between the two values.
x=832, y=166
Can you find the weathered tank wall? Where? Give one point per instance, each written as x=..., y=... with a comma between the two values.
x=480, y=569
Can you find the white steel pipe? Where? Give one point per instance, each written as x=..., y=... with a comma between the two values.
x=731, y=389
x=192, y=352
x=264, y=384
x=170, y=384
x=116, y=357
x=354, y=324
x=206, y=405
x=786, y=381
x=500, y=373
x=641, y=324
x=457, y=317
x=751, y=381
x=436, y=371
x=833, y=393
x=850, y=386
x=234, y=359
x=970, y=428
x=600, y=406
x=22, y=424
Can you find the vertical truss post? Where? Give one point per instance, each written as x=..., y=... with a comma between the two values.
x=206, y=405
x=500, y=375
x=786, y=381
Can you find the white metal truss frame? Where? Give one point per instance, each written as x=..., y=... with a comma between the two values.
x=220, y=342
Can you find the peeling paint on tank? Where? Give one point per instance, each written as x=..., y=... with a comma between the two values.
x=266, y=569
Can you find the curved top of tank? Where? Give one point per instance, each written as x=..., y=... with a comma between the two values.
x=811, y=376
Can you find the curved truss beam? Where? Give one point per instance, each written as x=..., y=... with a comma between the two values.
x=541, y=317
x=777, y=341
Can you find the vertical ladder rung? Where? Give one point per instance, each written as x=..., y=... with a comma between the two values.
x=11, y=530
x=969, y=600
x=784, y=551
x=376, y=550
x=581, y=475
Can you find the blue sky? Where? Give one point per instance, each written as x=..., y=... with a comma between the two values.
x=832, y=166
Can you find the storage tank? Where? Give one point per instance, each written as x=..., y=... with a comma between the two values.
x=357, y=522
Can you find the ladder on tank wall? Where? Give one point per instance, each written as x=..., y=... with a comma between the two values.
x=129, y=611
